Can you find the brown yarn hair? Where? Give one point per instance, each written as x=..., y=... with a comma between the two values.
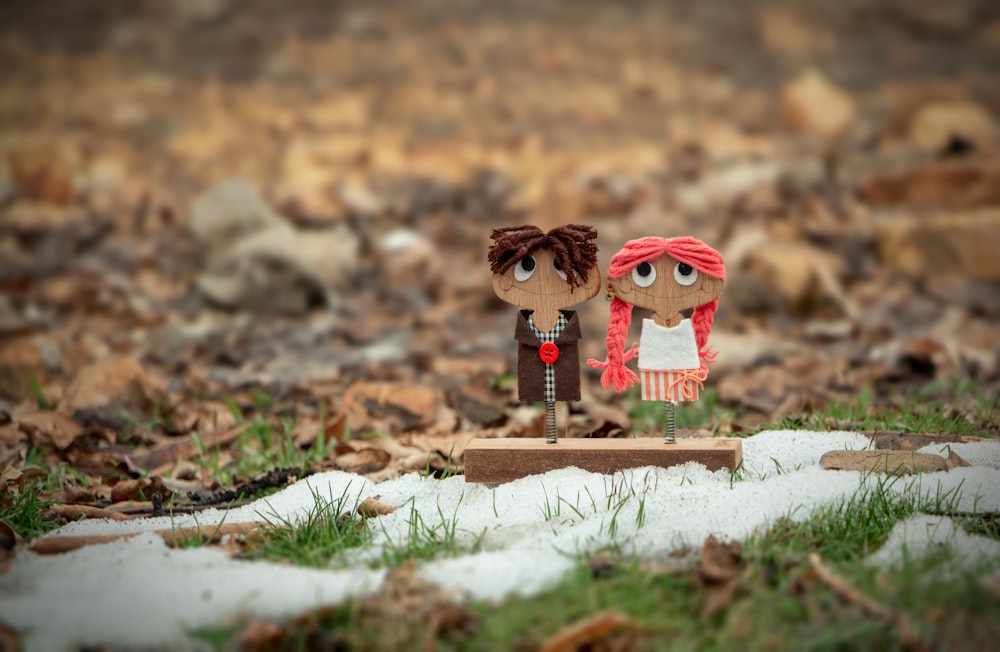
x=572, y=245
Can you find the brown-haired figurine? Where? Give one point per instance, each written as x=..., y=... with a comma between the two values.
x=543, y=274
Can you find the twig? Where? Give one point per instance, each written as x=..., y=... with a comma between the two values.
x=908, y=634
x=54, y=545
x=271, y=479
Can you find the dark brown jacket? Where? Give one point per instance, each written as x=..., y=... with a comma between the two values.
x=531, y=369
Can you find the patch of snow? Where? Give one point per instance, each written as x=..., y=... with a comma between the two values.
x=976, y=453
x=527, y=535
x=922, y=536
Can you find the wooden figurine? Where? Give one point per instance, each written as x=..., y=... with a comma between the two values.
x=543, y=274
x=680, y=280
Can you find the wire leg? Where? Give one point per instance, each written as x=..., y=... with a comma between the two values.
x=551, y=434
x=670, y=424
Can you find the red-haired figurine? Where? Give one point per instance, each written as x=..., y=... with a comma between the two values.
x=543, y=273
x=680, y=280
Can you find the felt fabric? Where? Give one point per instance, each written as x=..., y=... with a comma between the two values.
x=676, y=386
x=662, y=348
x=531, y=369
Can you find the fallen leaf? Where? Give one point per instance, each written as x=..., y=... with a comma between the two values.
x=367, y=460
x=960, y=184
x=719, y=574
x=955, y=461
x=936, y=125
x=172, y=451
x=257, y=636
x=140, y=489
x=390, y=407
x=371, y=507
x=101, y=392
x=905, y=441
x=961, y=244
x=590, y=631
x=54, y=428
x=76, y=512
x=812, y=103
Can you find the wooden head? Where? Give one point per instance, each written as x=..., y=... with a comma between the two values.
x=668, y=287
x=545, y=272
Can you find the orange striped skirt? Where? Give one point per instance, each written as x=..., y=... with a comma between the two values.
x=673, y=385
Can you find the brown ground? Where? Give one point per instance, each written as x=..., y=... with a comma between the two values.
x=843, y=156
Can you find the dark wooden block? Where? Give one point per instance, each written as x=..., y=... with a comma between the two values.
x=503, y=460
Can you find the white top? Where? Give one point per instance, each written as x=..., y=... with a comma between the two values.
x=663, y=349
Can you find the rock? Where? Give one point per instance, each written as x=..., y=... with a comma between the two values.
x=230, y=210
x=102, y=391
x=812, y=103
x=283, y=270
x=935, y=126
x=883, y=461
x=947, y=244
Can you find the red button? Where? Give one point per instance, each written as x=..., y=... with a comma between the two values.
x=548, y=352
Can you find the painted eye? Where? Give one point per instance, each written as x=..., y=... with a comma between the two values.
x=524, y=268
x=684, y=274
x=559, y=270
x=643, y=275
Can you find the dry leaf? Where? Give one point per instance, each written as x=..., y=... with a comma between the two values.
x=58, y=430
x=390, y=407
x=719, y=574
x=955, y=461
x=76, y=512
x=140, y=489
x=364, y=461
x=590, y=631
x=371, y=507
x=812, y=103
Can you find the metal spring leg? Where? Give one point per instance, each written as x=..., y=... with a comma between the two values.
x=670, y=425
x=551, y=434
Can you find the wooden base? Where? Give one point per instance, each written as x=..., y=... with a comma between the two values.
x=503, y=460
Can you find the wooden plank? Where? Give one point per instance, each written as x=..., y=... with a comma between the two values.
x=503, y=460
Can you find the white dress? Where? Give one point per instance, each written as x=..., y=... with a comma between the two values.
x=669, y=366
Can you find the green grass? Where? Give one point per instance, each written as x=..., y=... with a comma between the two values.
x=706, y=412
x=333, y=527
x=424, y=540
x=955, y=407
x=944, y=407
x=261, y=447
x=320, y=539
x=782, y=604
x=24, y=510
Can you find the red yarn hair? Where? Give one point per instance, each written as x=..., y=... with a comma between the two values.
x=684, y=249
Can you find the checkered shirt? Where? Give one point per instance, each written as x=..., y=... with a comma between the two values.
x=550, y=370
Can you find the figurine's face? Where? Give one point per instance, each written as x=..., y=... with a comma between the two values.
x=536, y=283
x=666, y=286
